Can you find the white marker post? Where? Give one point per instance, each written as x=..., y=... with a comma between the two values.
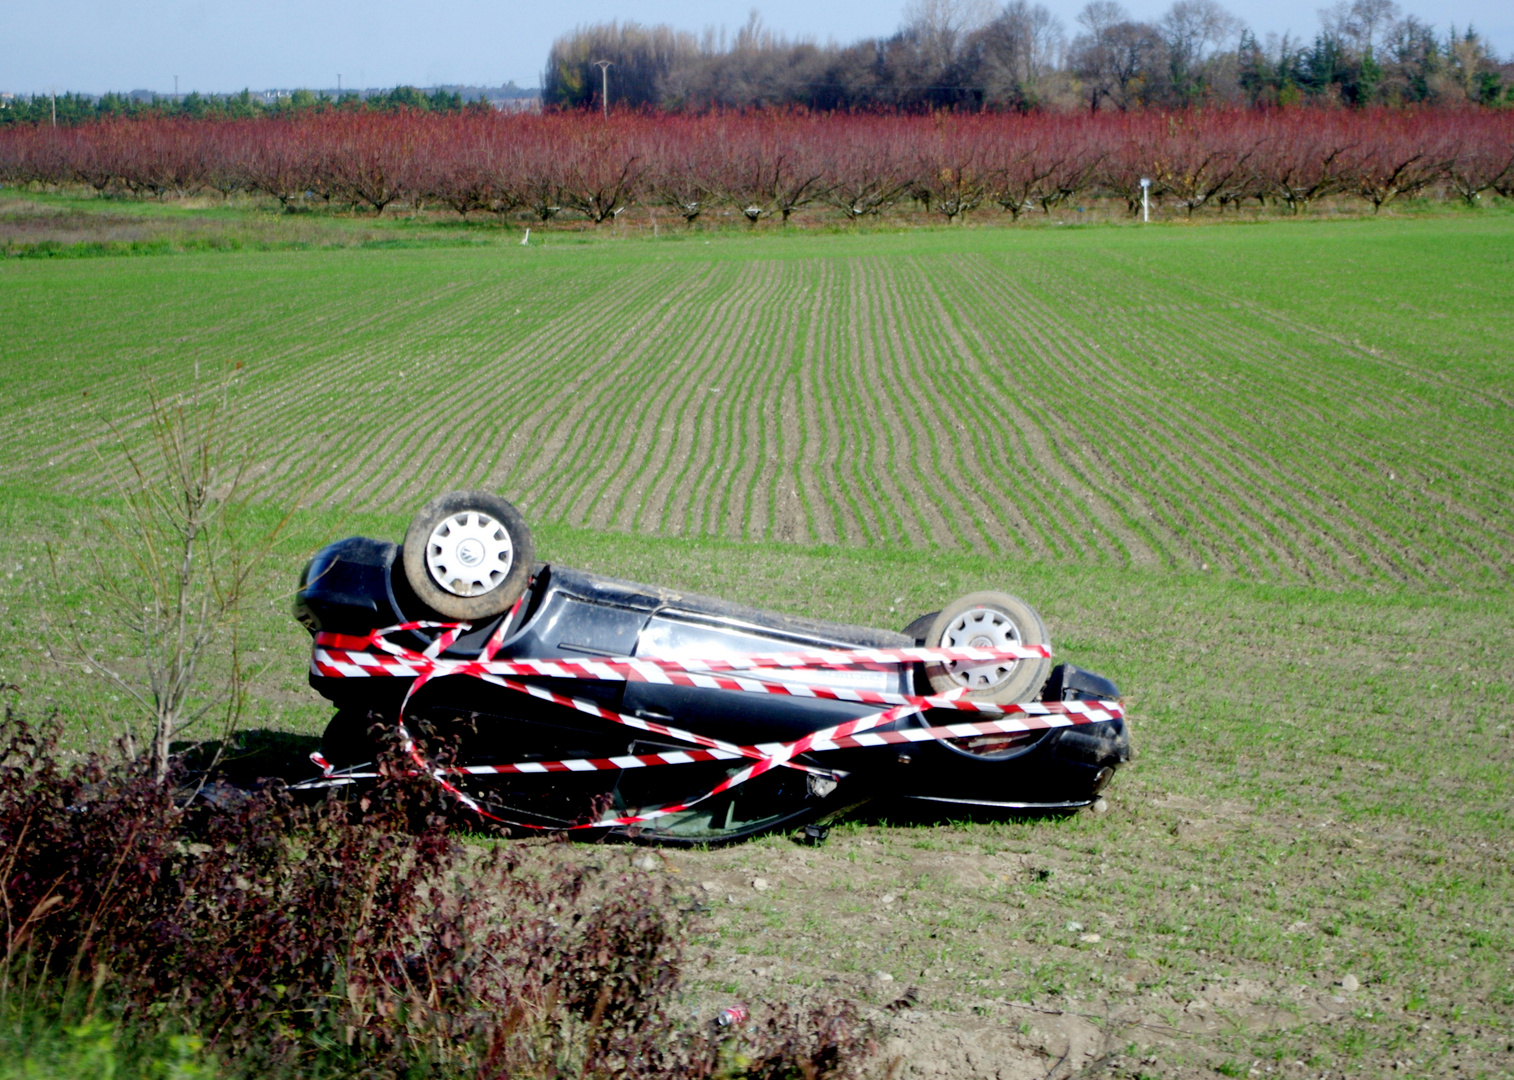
x=1145, y=205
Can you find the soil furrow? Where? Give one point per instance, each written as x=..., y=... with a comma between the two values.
x=666, y=384
x=951, y=511
x=738, y=323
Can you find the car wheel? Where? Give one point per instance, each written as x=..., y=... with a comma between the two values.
x=468, y=554
x=920, y=627
x=988, y=620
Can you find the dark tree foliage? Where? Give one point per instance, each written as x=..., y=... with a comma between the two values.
x=954, y=54
x=69, y=109
x=642, y=59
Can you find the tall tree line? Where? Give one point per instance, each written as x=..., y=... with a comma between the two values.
x=973, y=55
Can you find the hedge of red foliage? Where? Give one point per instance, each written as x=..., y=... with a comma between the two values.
x=317, y=941
x=775, y=163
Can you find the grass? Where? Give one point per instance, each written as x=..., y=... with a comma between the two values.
x=94, y=1048
x=1090, y=396
x=1256, y=474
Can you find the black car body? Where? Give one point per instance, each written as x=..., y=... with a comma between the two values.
x=355, y=587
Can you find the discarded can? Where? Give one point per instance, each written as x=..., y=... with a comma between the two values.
x=734, y=1015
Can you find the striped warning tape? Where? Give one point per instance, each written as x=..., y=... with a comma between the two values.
x=1089, y=715
x=377, y=655
x=339, y=656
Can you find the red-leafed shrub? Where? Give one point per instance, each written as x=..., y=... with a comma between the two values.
x=332, y=940
x=1136, y=149
x=951, y=167
x=1402, y=155
x=280, y=158
x=777, y=162
x=869, y=165
x=1035, y=164
x=1305, y=156
x=1203, y=157
x=371, y=159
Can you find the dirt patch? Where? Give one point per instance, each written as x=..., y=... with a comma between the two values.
x=37, y=226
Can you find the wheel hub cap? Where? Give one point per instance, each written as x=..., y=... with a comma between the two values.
x=468, y=554
x=981, y=628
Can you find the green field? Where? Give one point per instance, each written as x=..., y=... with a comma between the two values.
x=1258, y=474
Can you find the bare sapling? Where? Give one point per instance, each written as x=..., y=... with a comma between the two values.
x=165, y=574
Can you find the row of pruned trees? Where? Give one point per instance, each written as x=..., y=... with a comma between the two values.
x=774, y=164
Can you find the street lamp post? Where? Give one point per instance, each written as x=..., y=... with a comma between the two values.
x=604, y=72
x=1145, y=205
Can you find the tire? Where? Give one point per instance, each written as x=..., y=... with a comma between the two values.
x=989, y=619
x=468, y=555
x=920, y=627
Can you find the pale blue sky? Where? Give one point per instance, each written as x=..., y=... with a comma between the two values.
x=218, y=45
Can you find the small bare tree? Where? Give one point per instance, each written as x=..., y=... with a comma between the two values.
x=165, y=576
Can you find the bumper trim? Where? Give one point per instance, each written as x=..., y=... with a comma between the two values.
x=1075, y=804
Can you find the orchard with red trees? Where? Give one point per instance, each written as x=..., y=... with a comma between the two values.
x=575, y=166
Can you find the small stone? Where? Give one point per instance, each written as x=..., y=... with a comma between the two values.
x=708, y=886
x=1074, y=927
x=883, y=976
x=1090, y=939
x=889, y=898
x=1100, y=806
x=646, y=862
x=1350, y=984
x=760, y=884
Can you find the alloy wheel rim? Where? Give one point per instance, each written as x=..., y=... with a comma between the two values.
x=469, y=554
x=981, y=628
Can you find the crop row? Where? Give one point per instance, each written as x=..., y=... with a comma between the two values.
x=910, y=398
x=775, y=164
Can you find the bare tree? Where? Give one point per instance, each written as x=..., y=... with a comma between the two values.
x=1360, y=23
x=1118, y=59
x=1193, y=30
x=1099, y=16
x=1017, y=52
x=169, y=569
x=1106, y=56
x=941, y=26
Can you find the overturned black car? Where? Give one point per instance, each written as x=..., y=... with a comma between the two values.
x=549, y=698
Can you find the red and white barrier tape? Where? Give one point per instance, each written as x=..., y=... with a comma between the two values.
x=374, y=655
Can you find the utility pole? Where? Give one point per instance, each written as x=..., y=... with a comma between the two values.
x=604, y=71
x=54, y=95
x=339, y=86
x=176, y=88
